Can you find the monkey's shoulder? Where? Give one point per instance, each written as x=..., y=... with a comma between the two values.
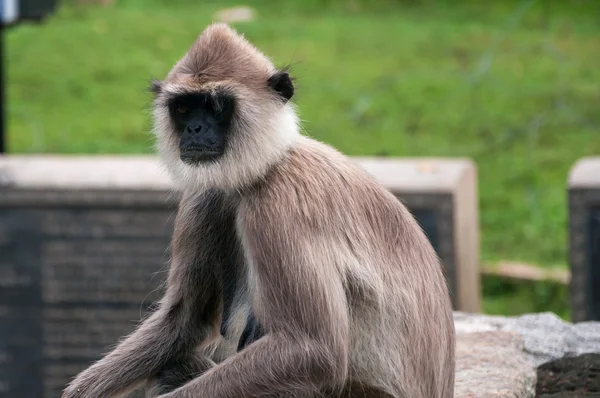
x=314, y=179
x=310, y=169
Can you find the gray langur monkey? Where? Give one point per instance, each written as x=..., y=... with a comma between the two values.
x=283, y=235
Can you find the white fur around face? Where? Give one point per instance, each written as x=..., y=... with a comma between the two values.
x=259, y=137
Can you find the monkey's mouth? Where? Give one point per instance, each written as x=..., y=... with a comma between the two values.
x=196, y=154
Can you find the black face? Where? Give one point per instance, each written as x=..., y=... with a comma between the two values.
x=202, y=122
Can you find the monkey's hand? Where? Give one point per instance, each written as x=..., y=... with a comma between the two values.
x=133, y=361
x=89, y=383
x=176, y=373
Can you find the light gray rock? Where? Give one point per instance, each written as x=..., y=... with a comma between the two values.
x=546, y=337
x=492, y=364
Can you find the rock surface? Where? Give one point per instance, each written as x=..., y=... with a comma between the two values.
x=546, y=337
x=570, y=377
x=493, y=364
x=498, y=356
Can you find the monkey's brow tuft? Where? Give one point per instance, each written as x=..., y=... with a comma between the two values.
x=219, y=101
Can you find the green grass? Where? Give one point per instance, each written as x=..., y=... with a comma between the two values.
x=515, y=85
x=511, y=297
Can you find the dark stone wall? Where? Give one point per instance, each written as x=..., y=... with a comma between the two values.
x=594, y=264
x=77, y=272
x=584, y=253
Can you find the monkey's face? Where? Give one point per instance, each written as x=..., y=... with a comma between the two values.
x=223, y=115
x=202, y=123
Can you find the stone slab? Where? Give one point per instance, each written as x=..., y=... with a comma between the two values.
x=546, y=336
x=493, y=364
x=140, y=172
x=498, y=356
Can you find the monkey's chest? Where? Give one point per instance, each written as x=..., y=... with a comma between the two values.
x=251, y=333
x=238, y=320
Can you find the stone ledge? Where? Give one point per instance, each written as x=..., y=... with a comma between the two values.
x=546, y=337
x=422, y=175
x=584, y=174
x=493, y=364
x=498, y=356
x=84, y=172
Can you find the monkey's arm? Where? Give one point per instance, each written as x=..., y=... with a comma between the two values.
x=178, y=372
x=189, y=311
x=301, y=303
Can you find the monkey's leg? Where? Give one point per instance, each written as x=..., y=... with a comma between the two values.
x=302, y=304
x=176, y=373
x=297, y=395
x=165, y=334
x=189, y=312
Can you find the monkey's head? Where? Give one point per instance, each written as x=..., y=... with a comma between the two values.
x=222, y=114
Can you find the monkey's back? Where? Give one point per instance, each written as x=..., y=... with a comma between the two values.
x=402, y=330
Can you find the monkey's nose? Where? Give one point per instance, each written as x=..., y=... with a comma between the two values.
x=194, y=129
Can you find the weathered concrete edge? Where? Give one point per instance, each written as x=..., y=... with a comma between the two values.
x=140, y=172
x=467, y=240
x=493, y=364
x=422, y=175
x=585, y=173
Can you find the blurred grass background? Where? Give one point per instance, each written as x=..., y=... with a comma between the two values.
x=512, y=84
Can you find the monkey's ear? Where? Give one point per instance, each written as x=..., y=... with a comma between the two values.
x=281, y=82
x=156, y=86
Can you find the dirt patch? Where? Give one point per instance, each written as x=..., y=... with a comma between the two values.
x=569, y=377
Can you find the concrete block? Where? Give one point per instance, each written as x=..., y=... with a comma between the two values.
x=584, y=239
x=442, y=195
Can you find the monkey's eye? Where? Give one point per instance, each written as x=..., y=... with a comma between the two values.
x=182, y=108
